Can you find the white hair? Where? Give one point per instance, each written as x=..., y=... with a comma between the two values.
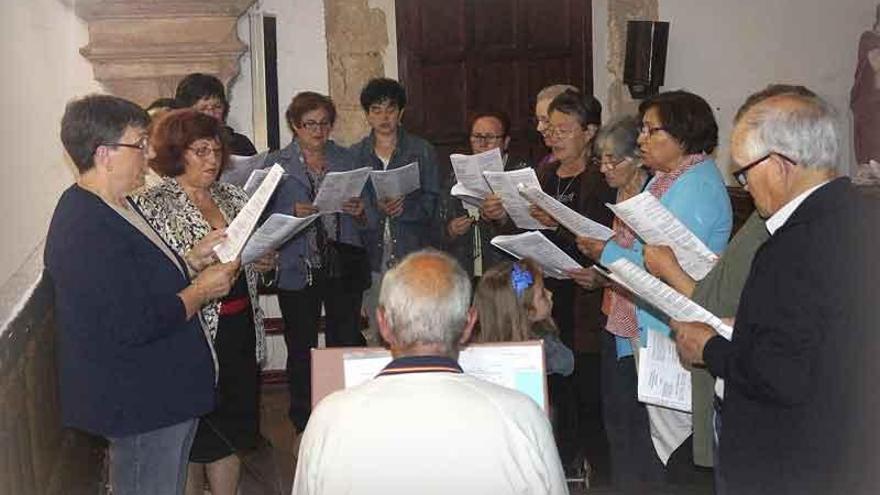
x=806, y=132
x=426, y=299
x=554, y=90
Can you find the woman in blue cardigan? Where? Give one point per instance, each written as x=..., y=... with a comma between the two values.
x=677, y=135
x=135, y=366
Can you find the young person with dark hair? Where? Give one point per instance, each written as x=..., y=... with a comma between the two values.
x=395, y=226
x=205, y=93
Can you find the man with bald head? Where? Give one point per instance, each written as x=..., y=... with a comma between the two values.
x=422, y=426
x=798, y=413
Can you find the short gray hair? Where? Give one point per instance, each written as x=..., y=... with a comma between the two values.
x=621, y=136
x=554, y=90
x=805, y=130
x=426, y=299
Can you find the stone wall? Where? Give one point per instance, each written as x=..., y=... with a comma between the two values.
x=356, y=40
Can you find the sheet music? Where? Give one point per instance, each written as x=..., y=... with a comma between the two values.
x=275, y=231
x=657, y=225
x=568, y=218
x=254, y=180
x=396, y=182
x=505, y=185
x=663, y=297
x=553, y=261
x=339, y=187
x=240, y=168
x=662, y=380
x=519, y=367
x=243, y=224
x=469, y=170
x=467, y=197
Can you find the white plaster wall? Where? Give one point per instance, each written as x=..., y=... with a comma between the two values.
x=724, y=50
x=302, y=59
x=43, y=70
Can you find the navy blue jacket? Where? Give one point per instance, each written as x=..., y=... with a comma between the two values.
x=128, y=360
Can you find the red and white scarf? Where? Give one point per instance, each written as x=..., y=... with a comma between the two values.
x=617, y=303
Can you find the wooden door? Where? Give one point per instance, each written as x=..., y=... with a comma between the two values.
x=459, y=56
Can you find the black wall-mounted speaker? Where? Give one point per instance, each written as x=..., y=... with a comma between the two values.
x=645, y=64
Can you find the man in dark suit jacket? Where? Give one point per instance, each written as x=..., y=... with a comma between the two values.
x=797, y=415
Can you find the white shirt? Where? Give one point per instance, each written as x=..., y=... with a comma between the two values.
x=778, y=219
x=428, y=433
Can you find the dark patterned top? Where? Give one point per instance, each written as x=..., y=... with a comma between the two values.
x=180, y=223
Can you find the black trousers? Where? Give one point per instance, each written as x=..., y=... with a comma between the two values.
x=301, y=311
x=634, y=463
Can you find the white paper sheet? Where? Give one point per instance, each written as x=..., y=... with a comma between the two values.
x=505, y=185
x=553, y=261
x=339, y=187
x=243, y=224
x=254, y=180
x=467, y=197
x=396, y=182
x=519, y=367
x=275, y=231
x=657, y=225
x=568, y=218
x=469, y=170
x=662, y=380
x=663, y=297
x=240, y=168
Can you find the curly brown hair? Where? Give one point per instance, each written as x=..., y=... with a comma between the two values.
x=173, y=133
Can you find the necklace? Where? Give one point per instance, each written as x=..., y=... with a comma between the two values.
x=559, y=195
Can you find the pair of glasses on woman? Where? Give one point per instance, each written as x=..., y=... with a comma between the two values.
x=143, y=144
x=315, y=125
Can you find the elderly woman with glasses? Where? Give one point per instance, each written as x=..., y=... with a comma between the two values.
x=677, y=135
x=326, y=265
x=573, y=178
x=189, y=206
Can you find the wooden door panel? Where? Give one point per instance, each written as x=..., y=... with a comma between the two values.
x=442, y=25
x=460, y=56
x=495, y=24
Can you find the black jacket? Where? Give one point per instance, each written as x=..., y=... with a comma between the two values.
x=798, y=416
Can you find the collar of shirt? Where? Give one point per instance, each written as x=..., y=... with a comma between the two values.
x=778, y=219
x=421, y=364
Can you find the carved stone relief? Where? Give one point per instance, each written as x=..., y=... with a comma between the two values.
x=356, y=39
x=140, y=50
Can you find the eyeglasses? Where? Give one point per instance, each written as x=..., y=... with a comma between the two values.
x=312, y=125
x=486, y=138
x=204, y=151
x=561, y=133
x=215, y=107
x=741, y=176
x=649, y=131
x=610, y=164
x=143, y=144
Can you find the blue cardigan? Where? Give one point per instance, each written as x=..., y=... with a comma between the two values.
x=128, y=360
x=700, y=201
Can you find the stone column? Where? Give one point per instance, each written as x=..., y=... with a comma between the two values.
x=356, y=39
x=140, y=49
x=620, y=11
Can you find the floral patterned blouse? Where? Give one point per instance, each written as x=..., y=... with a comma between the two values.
x=180, y=223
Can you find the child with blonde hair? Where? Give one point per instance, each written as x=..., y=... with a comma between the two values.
x=513, y=305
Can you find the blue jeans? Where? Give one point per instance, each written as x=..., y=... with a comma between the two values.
x=152, y=463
